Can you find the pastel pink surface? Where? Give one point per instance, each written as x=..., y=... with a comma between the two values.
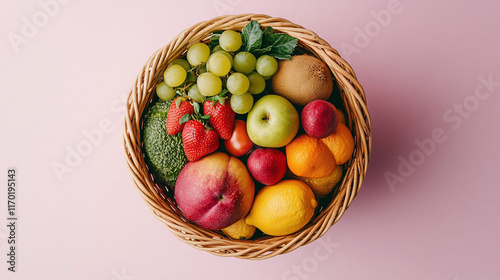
x=428, y=208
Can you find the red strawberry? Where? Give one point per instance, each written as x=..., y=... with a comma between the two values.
x=178, y=108
x=221, y=117
x=198, y=140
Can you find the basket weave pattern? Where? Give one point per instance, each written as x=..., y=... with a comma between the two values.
x=165, y=209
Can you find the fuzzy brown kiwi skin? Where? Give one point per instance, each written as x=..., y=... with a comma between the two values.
x=302, y=79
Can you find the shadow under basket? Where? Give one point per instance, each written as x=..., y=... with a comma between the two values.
x=160, y=200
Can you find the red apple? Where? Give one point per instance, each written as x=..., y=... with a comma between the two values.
x=215, y=191
x=267, y=165
x=319, y=118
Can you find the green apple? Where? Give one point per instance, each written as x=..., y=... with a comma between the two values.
x=273, y=121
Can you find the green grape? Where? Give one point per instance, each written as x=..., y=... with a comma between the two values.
x=207, y=66
x=241, y=104
x=175, y=75
x=244, y=62
x=198, y=54
x=228, y=55
x=257, y=83
x=195, y=94
x=209, y=84
x=164, y=91
x=202, y=69
x=181, y=62
x=266, y=65
x=218, y=64
x=237, y=83
x=230, y=40
x=190, y=77
x=217, y=48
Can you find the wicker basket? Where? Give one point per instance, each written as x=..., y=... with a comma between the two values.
x=162, y=205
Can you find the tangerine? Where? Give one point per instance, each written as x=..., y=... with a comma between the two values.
x=340, y=143
x=309, y=157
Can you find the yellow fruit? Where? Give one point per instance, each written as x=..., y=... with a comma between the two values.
x=239, y=230
x=324, y=185
x=308, y=157
x=341, y=116
x=283, y=208
x=340, y=143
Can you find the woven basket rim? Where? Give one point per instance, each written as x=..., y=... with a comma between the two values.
x=354, y=100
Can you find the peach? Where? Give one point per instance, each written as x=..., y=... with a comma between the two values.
x=215, y=191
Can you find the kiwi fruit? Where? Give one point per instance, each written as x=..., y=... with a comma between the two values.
x=302, y=79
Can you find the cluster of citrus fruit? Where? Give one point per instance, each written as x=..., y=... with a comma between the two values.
x=315, y=168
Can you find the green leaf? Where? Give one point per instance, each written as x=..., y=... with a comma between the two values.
x=283, y=45
x=178, y=102
x=268, y=31
x=258, y=42
x=222, y=100
x=184, y=118
x=196, y=108
x=215, y=99
x=251, y=36
x=281, y=56
x=262, y=51
x=214, y=38
x=224, y=93
x=205, y=117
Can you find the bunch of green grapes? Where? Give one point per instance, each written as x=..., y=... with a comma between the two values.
x=206, y=72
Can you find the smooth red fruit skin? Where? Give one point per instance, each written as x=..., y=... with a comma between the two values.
x=198, y=141
x=267, y=165
x=215, y=191
x=175, y=114
x=221, y=117
x=239, y=143
x=319, y=118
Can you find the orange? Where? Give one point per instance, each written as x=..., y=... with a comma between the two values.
x=340, y=143
x=307, y=156
x=341, y=117
x=324, y=185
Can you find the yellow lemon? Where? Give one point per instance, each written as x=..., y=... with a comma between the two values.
x=283, y=208
x=324, y=185
x=239, y=230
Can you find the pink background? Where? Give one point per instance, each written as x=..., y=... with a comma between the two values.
x=420, y=69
